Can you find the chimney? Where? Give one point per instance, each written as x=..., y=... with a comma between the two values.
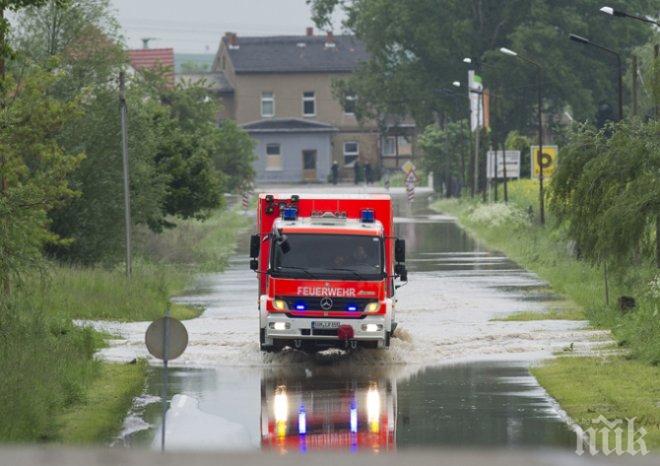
x=329, y=39
x=309, y=32
x=232, y=40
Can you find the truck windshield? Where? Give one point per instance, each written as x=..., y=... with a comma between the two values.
x=329, y=256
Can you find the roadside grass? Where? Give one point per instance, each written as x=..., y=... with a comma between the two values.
x=616, y=387
x=164, y=268
x=547, y=252
x=101, y=413
x=194, y=244
x=46, y=364
x=95, y=293
x=52, y=387
x=570, y=313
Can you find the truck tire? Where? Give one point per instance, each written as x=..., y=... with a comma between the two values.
x=262, y=342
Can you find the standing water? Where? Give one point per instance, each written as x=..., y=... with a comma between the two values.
x=454, y=376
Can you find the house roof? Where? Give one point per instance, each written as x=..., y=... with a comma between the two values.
x=153, y=59
x=213, y=81
x=295, y=54
x=287, y=125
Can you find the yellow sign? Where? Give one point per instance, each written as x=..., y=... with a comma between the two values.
x=548, y=160
x=408, y=167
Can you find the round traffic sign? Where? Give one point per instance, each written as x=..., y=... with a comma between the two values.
x=166, y=338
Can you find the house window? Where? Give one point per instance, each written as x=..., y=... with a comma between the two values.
x=390, y=149
x=273, y=157
x=351, y=153
x=349, y=104
x=267, y=104
x=309, y=104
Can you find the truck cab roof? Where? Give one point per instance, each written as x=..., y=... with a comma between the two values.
x=327, y=225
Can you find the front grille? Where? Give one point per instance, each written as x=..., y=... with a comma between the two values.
x=313, y=303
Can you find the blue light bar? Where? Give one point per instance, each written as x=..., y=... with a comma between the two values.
x=367, y=216
x=289, y=213
x=300, y=307
x=351, y=307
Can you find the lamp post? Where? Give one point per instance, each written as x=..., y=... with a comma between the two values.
x=611, y=11
x=585, y=41
x=480, y=107
x=539, y=77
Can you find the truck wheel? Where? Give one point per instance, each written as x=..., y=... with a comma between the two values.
x=262, y=342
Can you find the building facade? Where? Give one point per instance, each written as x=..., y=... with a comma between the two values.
x=279, y=89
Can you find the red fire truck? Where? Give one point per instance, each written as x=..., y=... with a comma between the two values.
x=327, y=266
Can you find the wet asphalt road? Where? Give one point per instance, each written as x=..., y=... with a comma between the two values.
x=454, y=378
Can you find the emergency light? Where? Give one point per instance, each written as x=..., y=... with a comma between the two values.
x=300, y=306
x=367, y=216
x=289, y=213
x=351, y=307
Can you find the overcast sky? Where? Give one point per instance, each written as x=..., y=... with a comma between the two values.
x=196, y=26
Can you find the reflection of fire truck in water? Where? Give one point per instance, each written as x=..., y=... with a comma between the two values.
x=314, y=414
x=326, y=266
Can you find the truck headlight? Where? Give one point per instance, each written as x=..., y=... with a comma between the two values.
x=372, y=307
x=372, y=327
x=280, y=305
x=280, y=325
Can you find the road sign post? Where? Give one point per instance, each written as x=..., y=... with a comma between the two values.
x=166, y=339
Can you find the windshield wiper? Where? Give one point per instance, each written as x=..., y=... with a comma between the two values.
x=360, y=277
x=302, y=269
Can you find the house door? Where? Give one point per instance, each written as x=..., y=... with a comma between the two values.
x=309, y=165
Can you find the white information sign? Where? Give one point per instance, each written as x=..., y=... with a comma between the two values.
x=512, y=158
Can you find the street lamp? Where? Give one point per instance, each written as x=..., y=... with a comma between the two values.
x=612, y=12
x=539, y=161
x=585, y=41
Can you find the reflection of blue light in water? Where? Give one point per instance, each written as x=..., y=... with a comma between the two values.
x=354, y=417
x=302, y=420
x=354, y=443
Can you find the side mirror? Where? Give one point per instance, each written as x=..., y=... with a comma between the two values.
x=254, y=264
x=255, y=245
x=401, y=271
x=400, y=250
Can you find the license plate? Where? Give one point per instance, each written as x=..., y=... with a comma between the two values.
x=325, y=324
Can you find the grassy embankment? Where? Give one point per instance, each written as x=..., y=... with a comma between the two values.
x=53, y=389
x=585, y=387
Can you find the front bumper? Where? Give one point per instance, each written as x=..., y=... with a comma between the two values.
x=300, y=328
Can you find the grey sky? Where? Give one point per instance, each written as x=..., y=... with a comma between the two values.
x=196, y=26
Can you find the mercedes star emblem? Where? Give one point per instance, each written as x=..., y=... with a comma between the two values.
x=326, y=303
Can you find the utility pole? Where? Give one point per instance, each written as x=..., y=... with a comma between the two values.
x=4, y=181
x=495, y=170
x=506, y=188
x=475, y=188
x=634, y=85
x=127, y=194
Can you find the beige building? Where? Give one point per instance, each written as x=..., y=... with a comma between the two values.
x=280, y=90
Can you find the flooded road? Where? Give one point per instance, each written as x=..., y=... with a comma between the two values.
x=454, y=376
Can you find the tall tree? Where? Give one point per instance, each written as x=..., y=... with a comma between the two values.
x=418, y=46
